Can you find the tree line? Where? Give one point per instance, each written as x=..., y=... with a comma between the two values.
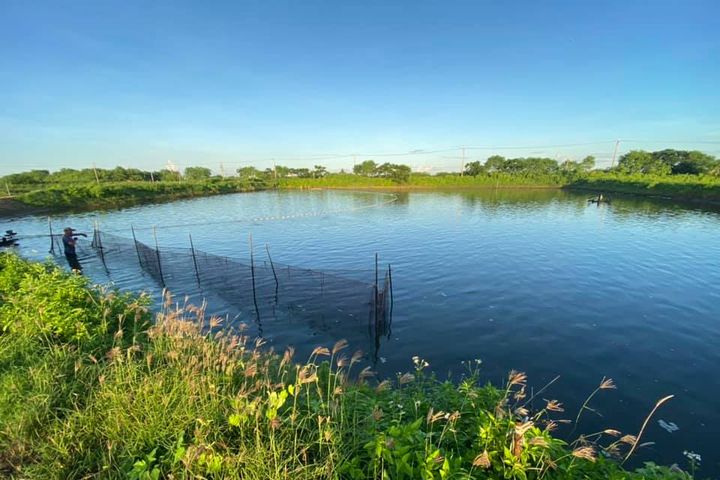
x=662, y=162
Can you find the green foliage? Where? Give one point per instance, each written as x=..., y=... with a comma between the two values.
x=398, y=173
x=128, y=193
x=367, y=168
x=197, y=173
x=638, y=161
x=177, y=400
x=474, y=168
x=687, y=187
x=665, y=162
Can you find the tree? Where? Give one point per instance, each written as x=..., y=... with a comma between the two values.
x=640, y=161
x=280, y=171
x=248, y=172
x=684, y=162
x=496, y=163
x=474, y=168
x=568, y=166
x=197, y=173
x=299, y=172
x=587, y=163
x=319, y=171
x=367, y=168
x=398, y=173
x=32, y=177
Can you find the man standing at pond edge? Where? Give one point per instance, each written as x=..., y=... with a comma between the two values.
x=69, y=246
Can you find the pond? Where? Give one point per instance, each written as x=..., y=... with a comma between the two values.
x=534, y=280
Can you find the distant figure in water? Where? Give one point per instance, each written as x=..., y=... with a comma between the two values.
x=69, y=243
x=599, y=199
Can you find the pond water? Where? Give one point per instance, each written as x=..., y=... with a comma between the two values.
x=534, y=280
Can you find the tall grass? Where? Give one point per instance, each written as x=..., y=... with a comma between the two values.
x=424, y=181
x=94, y=195
x=109, y=394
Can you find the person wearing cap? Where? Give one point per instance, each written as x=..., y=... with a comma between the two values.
x=69, y=246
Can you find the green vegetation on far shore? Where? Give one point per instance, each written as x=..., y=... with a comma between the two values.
x=92, y=387
x=103, y=195
x=684, y=175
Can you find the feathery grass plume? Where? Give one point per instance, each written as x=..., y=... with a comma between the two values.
x=647, y=419
x=318, y=351
x=406, y=378
x=287, y=356
x=356, y=357
x=516, y=378
x=482, y=460
x=588, y=453
x=551, y=426
x=538, y=442
x=612, y=432
x=554, y=406
x=342, y=361
x=339, y=345
x=605, y=384
x=384, y=385
x=629, y=439
x=366, y=373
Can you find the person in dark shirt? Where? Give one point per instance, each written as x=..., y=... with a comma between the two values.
x=69, y=243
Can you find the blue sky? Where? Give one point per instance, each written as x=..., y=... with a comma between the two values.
x=245, y=82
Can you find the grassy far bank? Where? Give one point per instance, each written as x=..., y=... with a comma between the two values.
x=680, y=174
x=91, y=386
x=103, y=195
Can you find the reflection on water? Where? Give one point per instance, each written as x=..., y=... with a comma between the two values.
x=535, y=280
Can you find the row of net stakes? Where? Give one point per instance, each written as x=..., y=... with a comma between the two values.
x=381, y=310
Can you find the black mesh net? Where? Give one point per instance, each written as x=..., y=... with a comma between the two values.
x=260, y=288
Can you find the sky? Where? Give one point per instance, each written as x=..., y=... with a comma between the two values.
x=227, y=84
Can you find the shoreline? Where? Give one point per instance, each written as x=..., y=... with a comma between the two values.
x=13, y=207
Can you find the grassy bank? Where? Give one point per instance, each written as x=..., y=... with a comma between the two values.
x=91, y=387
x=120, y=194
x=425, y=182
x=699, y=188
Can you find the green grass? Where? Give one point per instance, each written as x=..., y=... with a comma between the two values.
x=90, y=388
x=682, y=187
x=104, y=195
x=119, y=194
x=703, y=188
x=424, y=181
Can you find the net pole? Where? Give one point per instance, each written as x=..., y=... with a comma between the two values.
x=391, y=289
x=252, y=274
x=272, y=265
x=376, y=288
x=135, y=242
x=52, y=239
x=157, y=254
x=98, y=243
x=192, y=249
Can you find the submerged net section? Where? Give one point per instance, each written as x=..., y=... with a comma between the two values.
x=259, y=287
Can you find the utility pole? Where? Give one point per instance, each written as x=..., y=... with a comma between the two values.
x=617, y=144
x=354, y=162
x=222, y=170
x=462, y=162
x=7, y=187
x=275, y=169
x=97, y=179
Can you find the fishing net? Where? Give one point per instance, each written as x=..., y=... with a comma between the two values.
x=261, y=288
